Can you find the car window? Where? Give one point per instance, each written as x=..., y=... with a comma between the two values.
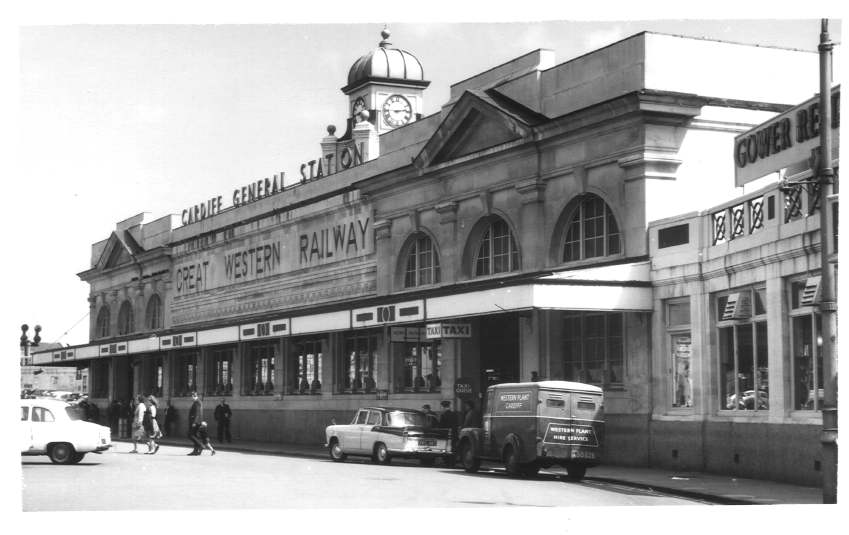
x=373, y=418
x=406, y=419
x=40, y=414
x=361, y=417
x=75, y=412
x=24, y=414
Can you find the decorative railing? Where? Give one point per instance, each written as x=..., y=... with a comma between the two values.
x=744, y=217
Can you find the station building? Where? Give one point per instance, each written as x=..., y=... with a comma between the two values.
x=422, y=258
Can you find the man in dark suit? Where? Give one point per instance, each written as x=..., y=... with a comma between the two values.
x=195, y=418
x=222, y=420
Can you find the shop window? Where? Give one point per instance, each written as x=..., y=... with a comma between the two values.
x=305, y=376
x=807, y=361
x=422, y=265
x=360, y=363
x=592, y=231
x=681, y=346
x=743, y=351
x=153, y=313
x=418, y=361
x=125, y=318
x=153, y=376
x=259, y=380
x=185, y=374
x=220, y=369
x=497, y=251
x=592, y=348
x=103, y=320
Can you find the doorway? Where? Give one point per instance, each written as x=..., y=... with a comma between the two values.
x=499, y=349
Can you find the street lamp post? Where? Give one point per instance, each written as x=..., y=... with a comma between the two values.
x=828, y=303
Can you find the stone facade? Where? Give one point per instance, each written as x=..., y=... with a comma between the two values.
x=518, y=214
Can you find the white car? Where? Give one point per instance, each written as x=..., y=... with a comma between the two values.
x=55, y=428
x=384, y=432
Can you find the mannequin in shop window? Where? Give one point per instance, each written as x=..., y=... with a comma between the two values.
x=433, y=381
x=304, y=386
x=315, y=386
x=418, y=382
x=357, y=384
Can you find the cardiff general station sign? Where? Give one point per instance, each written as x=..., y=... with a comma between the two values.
x=784, y=140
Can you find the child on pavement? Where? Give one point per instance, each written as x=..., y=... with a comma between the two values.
x=203, y=437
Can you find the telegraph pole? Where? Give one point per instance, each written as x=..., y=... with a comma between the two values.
x=828, y=302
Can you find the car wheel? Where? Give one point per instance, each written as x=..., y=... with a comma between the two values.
x=511, y=462
x=61, y=453
x=575, y=472
x=471, y=463
x=77, y=457
x=530, y=469
x=427, y=461
x=335, y=450
x=381, y=454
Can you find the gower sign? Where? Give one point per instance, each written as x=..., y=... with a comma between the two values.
x=784, y=140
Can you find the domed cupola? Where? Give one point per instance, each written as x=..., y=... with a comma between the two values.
x=386, y=64
x=385, y=87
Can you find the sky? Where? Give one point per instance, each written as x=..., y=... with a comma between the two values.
x=117, y=117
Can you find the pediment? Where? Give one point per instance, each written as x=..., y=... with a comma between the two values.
x=478, y=121
x=119, y=251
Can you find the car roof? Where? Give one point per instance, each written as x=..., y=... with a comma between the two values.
x=390, y=409
x=44, y=402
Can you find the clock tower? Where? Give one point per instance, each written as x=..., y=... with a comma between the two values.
x=387, y=84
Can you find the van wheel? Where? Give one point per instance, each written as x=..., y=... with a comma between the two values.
x=61, y=453
x=471, y=463
x=575, y=472
x=511, y=462
x=381, y=454
x=336, y=451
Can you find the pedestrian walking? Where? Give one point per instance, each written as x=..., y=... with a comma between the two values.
x=125, y=419
x=151, y=425
x=195, y=419
x=203, y=439
x=473, y=415
x=139, y=434
x=113, y=414
x=223, y=414
x=170, y=419
x=84, y=407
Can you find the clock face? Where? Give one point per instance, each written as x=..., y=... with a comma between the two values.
x=397, y=110
x=358, y=106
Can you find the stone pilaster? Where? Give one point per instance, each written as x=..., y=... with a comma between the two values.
x=383, y=245
x=365, y=136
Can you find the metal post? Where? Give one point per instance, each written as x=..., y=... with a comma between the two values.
x=828, y=304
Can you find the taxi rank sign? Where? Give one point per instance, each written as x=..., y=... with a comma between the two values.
x=784, y=140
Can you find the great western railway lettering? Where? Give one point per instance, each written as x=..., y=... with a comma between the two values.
x=252, y=262
x=323, y=244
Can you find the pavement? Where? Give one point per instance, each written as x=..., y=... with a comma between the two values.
x=713, y=488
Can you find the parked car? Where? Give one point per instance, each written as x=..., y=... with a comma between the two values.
x=385, y=432
x=55, y=428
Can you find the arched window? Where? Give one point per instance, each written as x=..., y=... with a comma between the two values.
x=153, y=313
x=592, y=231
x=422, y=263
x=497, y=252
x=125, y=318
x=102, y=328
